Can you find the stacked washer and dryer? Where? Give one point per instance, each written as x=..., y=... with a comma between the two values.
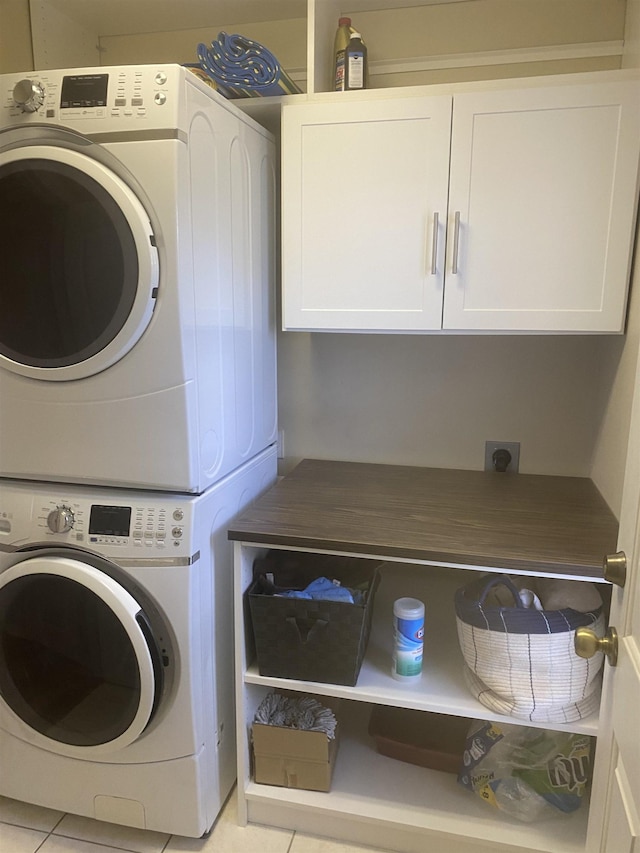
x=137, y=417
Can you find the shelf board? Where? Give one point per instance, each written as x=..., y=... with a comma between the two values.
x=370, y=787
x=523, y=522
x=442, y=688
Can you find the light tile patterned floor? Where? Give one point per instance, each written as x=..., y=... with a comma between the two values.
x=30, y=829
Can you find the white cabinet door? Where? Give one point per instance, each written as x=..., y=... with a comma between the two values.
x=362, y=185
x=615, y=798
x=622, y=815
x=622, y=833
x=544, y=182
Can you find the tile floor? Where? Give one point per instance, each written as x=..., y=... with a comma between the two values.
x=30, y=829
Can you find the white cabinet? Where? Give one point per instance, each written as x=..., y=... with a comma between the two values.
x=532, y=190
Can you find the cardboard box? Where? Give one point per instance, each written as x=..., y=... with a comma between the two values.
x=293, y=758
x=311, y=640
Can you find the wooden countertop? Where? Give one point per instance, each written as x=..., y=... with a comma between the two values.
x=524, y=522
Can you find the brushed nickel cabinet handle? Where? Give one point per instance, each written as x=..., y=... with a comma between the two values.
x=434, y=244
x=456, y=242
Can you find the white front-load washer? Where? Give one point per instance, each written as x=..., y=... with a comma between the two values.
x=137, y=330
x=116, y=649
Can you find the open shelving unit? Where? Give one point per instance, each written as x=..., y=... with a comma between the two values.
x=362, y=511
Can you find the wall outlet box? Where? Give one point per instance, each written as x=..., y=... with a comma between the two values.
x=513, y=447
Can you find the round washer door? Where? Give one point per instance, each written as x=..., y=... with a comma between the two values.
x=78, y=264
x=80, y=672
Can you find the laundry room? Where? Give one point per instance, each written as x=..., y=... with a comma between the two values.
x=137, y=423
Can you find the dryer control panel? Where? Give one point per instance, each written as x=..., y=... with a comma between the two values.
x=96, y=99
x=137, y=524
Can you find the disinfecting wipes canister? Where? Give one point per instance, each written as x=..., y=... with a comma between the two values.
x=408, y=637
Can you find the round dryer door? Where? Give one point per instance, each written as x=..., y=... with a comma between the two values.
x=78, y=264
x=80, y=671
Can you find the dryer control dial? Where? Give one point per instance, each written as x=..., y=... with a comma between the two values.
x=60, y=520
x=28, y=95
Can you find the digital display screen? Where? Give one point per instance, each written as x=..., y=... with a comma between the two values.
x=110, y=520
x=84, y=90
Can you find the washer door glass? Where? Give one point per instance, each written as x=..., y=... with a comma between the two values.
x=78, y=664
x=78, y=264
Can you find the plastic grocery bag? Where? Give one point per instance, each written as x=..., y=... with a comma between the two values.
x=527, y=773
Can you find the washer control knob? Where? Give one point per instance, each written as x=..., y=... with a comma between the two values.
x=178, y=514
x=60, y=520
x=28, y=95
x=176, y=532
x=161, y=78
x=160, y=98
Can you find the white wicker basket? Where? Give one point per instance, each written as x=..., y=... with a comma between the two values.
x=521, y=661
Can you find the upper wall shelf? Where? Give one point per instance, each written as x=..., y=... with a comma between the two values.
x=420, y=41
x=410, y=43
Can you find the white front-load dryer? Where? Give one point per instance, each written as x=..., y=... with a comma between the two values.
x=137, y=330
x=116, y=649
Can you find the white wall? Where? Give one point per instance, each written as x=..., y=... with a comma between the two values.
x=610, y=451
x=15, y=36
x=631, y=56
x=454, y=31
x=424, y=400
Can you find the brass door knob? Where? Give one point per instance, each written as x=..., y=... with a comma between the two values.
x=587, y=644
x=614, y=567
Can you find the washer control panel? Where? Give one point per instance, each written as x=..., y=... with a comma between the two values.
x=143, y=525
x=98, y=520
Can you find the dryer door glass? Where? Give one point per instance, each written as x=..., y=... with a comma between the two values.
x=68, y=667
x=69, y=266
x=78, y=264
